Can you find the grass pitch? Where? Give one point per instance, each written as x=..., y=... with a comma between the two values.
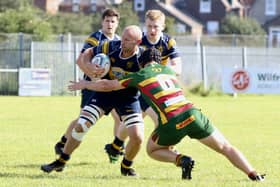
x=30, y=126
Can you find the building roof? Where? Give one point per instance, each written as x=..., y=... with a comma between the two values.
x=195, y=25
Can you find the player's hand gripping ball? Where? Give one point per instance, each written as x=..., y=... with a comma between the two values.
x=102, y=61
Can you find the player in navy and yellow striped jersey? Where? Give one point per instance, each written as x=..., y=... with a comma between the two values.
x=124, y=56
x=110, y=22
x=177, y=117
x=164, y=43
x=156, y=38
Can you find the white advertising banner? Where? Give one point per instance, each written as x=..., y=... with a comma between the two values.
x=34, y=82
x=251, y=80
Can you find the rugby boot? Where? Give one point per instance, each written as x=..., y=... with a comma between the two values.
x=128, y=172
x=254, y=176
x=187, y=165
x=112, y=153
x=57, y=166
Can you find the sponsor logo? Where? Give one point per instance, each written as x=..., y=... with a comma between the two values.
x=240, y=80
x=185, y=122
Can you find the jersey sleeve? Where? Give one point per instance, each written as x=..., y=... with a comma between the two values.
x=91, y=41
x=107, y=47
x=172, y=48
x=129, y=80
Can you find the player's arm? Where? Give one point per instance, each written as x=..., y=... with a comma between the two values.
x=84, y=63
x=102, y=85
x=175, y=61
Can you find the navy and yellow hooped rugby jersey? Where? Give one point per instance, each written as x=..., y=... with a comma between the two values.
x=166, y=45
x=95, y=39
x=120, y=66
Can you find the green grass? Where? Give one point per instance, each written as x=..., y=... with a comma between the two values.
x=30, y=126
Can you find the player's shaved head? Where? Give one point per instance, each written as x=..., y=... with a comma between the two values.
x=133, y=31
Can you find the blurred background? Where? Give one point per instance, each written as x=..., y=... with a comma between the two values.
x=211, y=35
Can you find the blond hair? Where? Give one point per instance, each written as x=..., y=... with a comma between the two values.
x=155, y=15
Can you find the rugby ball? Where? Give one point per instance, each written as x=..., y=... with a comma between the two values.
x=103, y=61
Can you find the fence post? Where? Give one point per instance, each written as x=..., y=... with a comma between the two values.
x=244, y=57
x=244, y=64
x=233, y=42
x=266, y=38
x=32, y=55
x=203, y=68
x=20, y=39
x=69, y=43
x=76, y=69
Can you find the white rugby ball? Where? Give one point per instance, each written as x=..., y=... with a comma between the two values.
x=103, y=61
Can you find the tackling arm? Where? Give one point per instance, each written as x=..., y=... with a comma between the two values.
x=102, y=85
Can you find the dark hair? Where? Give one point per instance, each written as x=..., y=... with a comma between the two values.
x=149, y=55
x=110, y=12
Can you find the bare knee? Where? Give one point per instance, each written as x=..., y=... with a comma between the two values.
x=135, y=128
x=136, y=139
x=81, y=127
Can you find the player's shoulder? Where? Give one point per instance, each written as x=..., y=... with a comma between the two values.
x=93, y=39
x=169, y=40
x=166, y=37
x=114, y=43
x=96, y=34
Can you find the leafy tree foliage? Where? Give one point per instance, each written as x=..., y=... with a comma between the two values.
x=80, y=24
x=170, y=25
x=232, y=24
x=13, y=4
x=128, y=17
x=9, y=4
x=77, y=24
x=25, y=19
x=21, y=16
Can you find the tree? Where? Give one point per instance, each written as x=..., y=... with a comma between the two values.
x=25, y=19
x=170, y=25
x=13, y=4
x=128, y=17
x=77, y=24
x=80, y=24
x=232, y=24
